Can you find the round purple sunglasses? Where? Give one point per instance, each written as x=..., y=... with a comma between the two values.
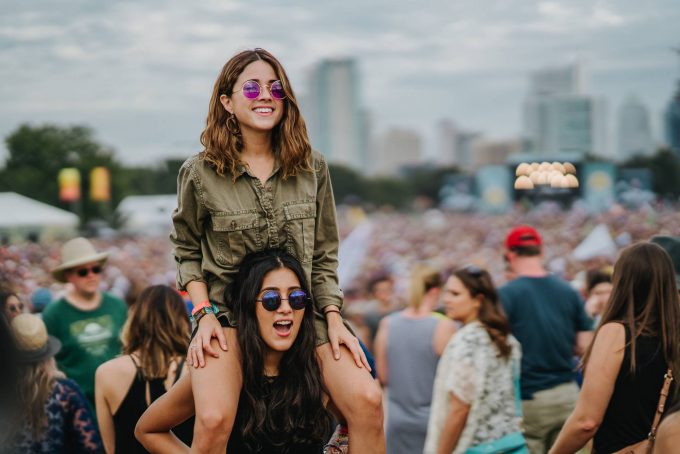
x=251, y=89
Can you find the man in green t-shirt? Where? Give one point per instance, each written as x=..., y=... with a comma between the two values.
x=85, y=320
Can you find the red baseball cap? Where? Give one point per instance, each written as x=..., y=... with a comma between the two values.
x=522, y=235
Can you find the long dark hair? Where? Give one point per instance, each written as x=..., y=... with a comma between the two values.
x=289, y=137
x=157, y=329
x=478, y=282
x=294, y=413
x=645, y=299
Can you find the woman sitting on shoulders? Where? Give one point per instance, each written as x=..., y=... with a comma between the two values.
x=283, y=404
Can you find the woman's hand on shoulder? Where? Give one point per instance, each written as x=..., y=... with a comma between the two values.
x=338, y=334
x=208, y=327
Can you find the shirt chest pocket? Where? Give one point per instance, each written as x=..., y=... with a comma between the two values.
x=300, y=229
x=235, y=235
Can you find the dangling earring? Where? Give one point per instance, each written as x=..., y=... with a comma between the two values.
x=232, y=125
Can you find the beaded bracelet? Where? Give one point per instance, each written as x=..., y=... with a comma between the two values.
x=199, y=314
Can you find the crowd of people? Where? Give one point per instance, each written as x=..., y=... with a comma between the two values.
x=463, y=364
x=235, y=334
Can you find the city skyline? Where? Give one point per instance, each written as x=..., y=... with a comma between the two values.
x=141, y=74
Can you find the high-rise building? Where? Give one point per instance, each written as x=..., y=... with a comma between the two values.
x=560, y=117
x=672, y=119
x=394, y=150
x=447, y=152
x=634, y=130
x=493, y=152
x=336, y=122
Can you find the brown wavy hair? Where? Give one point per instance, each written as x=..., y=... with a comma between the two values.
x=157, y=330
x=645, y=298
x=289, y=138
x=478, y=282
x=35, y=385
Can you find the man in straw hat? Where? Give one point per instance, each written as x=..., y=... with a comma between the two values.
x=85, y=320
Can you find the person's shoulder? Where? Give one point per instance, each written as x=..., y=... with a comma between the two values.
x=193, y=160
x=114, y=301
x=318, y=160
x=613, y=333
x=472, y=333
x=53, y=309
x=113, y=370
x=510, y=288
x=67, y=387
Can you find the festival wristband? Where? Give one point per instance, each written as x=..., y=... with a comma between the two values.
x=331, y=311
x=197, y=315
x=200, y=306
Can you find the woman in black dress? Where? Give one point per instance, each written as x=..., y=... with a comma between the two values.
x=283, y=404
x=637, y=342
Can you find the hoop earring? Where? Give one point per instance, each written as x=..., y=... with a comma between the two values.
x=232, y=125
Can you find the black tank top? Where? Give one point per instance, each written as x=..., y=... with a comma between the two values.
x=630, y=413
x=134, y=404
x=237, y=444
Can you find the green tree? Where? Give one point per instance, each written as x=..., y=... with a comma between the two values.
x=427, y=181
x=665, y=168
x=38, y=153
x=347, y=183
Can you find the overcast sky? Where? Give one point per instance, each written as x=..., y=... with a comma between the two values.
x=141, y=72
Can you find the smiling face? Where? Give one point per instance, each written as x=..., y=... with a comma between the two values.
x=264, y=112
x=279, y=328
x=459, y=304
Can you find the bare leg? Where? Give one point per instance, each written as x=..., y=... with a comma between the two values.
x=358, y=397
x=216, y=388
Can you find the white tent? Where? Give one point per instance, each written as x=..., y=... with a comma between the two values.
x=598, y=243
x=24, y=217
x=147, y=214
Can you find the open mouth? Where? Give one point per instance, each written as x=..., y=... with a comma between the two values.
x=283, y=327
x=263, y=110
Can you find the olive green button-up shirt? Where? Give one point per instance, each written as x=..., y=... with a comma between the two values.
x=218, y=221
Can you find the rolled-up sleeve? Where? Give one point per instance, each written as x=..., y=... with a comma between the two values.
x=188, y=219
x=326, y=242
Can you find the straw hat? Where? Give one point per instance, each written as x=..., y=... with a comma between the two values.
x=32, y=340
x=75, y=252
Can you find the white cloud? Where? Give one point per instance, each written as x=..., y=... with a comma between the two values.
x=419, y=61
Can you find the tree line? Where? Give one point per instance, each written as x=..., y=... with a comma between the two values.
x=36, y=154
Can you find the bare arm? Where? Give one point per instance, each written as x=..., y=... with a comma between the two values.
x=453, y=425
x=583, y=341
x=208, y=327
x=153, y=429
x=598, y=385
x=442, y=335
x=103, y=410
x=380, y=349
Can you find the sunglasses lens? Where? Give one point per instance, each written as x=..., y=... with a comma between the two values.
x=271, y=300
x=297, y=299
x=82, y=272
x=96, y=269
x=251, y=89
x=277, y=90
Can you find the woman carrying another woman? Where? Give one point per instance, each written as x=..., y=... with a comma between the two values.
x=258, y=185
x=155, y=339
x=408, y=346
x=636, y=344
x=475, y=397
x=282, y=408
